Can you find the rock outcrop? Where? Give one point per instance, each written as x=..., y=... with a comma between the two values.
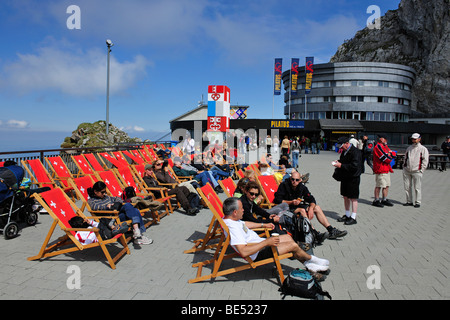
x=417, y=34
x=94, y=135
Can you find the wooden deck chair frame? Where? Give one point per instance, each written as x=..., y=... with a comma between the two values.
x=209, y=196
x=228, y=186
x=56, y=199
x=221, y=254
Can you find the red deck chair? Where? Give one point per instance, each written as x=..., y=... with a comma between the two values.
x=95, y=164
x=240, y=173
x=59, y=170
x=228, y=186
x=83, y=165
x=62, y=209
x=134, y=155
x=112, y=160
x=268, y=185
x=120, y=157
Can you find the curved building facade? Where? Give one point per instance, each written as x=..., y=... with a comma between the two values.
x=368, y=91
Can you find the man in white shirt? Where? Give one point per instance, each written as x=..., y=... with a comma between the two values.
x=414, y=165
x=249, y=244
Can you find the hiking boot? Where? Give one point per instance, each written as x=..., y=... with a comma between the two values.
x=335, y=233
x=377, y=203
x=387, y=203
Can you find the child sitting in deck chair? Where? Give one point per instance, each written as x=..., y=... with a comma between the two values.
x=107, y=230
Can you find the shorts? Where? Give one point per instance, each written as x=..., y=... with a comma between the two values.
x=382, y=180
x=350, y=188
x=265, y=253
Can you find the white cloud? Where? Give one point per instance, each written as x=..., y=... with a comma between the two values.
x=71, y=72
x=14, y=124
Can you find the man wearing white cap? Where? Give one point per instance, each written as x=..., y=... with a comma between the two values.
x=414, y=165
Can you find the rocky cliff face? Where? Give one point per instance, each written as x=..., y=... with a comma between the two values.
x=417, y=34
x=94, y=135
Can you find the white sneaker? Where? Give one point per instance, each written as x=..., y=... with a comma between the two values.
x=319, y=261
x=314, y=267
x=143, y=240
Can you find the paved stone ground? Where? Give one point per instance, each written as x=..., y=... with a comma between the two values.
x=409, y=247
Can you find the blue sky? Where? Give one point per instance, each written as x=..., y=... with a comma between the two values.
x=165, y=54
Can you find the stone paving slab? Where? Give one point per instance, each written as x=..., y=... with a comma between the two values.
x=409, y=247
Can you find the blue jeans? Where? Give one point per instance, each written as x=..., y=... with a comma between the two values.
x=295, y=154
x=205, y=177
x=129, y=212
x=221, y=173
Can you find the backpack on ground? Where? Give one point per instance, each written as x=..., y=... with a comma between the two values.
x=302, y=230
x=301, y=283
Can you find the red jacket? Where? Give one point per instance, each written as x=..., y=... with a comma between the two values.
x=382, y=159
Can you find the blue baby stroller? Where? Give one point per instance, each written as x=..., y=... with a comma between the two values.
x=15, y=203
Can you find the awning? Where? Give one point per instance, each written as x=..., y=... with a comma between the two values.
x=341, y=125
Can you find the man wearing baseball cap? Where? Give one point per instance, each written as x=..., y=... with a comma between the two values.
x=414, y=165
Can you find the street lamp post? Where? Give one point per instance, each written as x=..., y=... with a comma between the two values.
x=109, y=44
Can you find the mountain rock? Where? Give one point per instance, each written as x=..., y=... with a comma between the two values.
x=94, y=135
x=417, y=35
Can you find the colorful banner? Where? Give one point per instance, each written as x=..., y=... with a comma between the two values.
x=218, y=108
x=294, y=75
x=309, y=73
x=277, y=76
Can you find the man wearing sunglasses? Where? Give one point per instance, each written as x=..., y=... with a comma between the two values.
x=301, y=201
x=253, y=212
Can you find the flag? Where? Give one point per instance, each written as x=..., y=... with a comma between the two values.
x=294, y=75
x=309, y=73
x=277, y=76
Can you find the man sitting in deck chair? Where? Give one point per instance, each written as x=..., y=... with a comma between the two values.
x=249, y=244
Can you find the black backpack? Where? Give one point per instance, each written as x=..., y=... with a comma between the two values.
x=302, y=230
x=301, y=283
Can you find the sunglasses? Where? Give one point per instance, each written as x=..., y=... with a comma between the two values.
x=254, y=194
x=297, y=180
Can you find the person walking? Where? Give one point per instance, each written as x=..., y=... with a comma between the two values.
x=295, y=151
x=414, y=165
x=350, y=166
